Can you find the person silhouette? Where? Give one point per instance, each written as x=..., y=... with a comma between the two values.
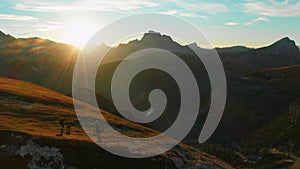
x=68, y=128
x=61, y=122
x=98, y=129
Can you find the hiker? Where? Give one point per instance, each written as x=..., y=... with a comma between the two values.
x=62, y=123
x=98, y=129
x=68, y=128
x=62, y=131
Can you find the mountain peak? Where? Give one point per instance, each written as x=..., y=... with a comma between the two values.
x=6, y=37
x=154, y=32
x=285, y=41
x=153, y=36
x=194, y=44
x=2, y=35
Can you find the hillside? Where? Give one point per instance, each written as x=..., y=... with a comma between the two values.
x=37, y=60
x=260, y=125
x=29, y=128
x=259, y=98
x=276, y=142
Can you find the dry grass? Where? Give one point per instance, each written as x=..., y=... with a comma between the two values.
x=34, y=110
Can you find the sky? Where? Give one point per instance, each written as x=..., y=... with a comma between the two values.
x=224, y=22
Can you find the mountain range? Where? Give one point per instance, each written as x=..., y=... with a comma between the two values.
x=51, y=64
x=262, y=91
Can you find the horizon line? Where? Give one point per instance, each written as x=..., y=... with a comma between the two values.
x=214, y=46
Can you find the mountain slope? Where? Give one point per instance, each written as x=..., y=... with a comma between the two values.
x=259, y=111
x=277, y=141
x=259, y=98
x=30, y=114
x=38, y=60
x=281, y=53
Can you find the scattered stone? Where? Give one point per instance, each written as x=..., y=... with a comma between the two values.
x=2, y=146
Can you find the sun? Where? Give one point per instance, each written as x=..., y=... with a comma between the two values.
x=79, y=32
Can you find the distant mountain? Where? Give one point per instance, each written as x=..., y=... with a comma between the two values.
x=51, y=64
x=282, y=53
x=6, y=37
x=237, y=60
x=250, y=103
x=29, y=117
x=149, y=40
x=234, y=49
x=38, y=60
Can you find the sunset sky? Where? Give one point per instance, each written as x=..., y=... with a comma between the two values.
x=224, y=22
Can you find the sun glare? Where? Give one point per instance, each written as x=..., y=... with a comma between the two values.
x=78, y=33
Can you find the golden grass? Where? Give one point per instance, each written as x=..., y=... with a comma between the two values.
x=34, y=110
x=29, y=108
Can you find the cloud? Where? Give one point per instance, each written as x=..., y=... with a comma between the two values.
x=41, y=26
x=189, y=15
x=210, y=8
x=187, y=9
x=17, y=17
x=259, y=19
x=48, y=26
x=232, y=23
x=273, y=8
x=85, y=5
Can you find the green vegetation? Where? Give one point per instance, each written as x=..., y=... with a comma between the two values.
x=282, y=133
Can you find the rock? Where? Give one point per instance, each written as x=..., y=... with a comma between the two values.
x=2, y=146
x=41, y=157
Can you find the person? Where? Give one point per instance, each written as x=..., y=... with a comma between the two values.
x=61, y=132
x=98, y=129
x=62, y=123
x=68, y=128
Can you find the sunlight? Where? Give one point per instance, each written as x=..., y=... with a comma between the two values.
x=79, y=32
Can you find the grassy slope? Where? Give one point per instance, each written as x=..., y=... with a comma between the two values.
x=35, y=111
x=35, y=108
